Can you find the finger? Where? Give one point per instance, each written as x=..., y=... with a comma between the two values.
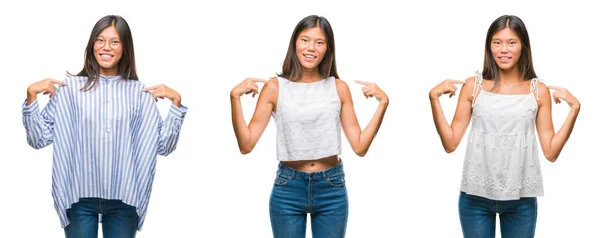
x=45, y=93
x=54, y=81
x=362, y=82
x=554, y=87
x=451, y=94
x=456, y=81
x=258, y=80
x=555, y=98
x=151, y=88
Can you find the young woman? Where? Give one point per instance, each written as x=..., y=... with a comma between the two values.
x=106, y=131
x=310, y=104
x=506, y=103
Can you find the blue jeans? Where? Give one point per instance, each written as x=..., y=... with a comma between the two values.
x=119, y=220
x=322, y=194
x=478, y=216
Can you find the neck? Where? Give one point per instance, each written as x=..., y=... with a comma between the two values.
x=310, y=75
x=509, y=75
x=109, y=72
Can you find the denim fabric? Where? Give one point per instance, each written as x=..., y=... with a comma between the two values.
x=118, y=219
x=478, y=216
x=320, y=194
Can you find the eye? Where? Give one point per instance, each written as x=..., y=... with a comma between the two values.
x=115, y=42
x=512, y=43
x=320, y=43
x=496, y=42
x=100, y=40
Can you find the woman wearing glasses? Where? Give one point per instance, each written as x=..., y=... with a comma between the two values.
x=106, y=131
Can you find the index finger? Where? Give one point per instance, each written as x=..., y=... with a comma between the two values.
x=59, y=82
x=457, y=81
x=554, y=87
x=259, y=80
x=150, y=88
x=362, y=82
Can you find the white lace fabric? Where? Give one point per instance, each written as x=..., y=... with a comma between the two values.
x=502, y=161
x=308, y=120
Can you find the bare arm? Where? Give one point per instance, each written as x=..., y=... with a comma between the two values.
x=552, y=143
x=247, y=135
x=360, y=140
x=453, y=133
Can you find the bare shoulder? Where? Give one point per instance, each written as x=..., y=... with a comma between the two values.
x=469, y=84
x=543, y=88
x=342, y=88
x=270, y=90
x=340, y=83
x=272, y=85
x=543, y=94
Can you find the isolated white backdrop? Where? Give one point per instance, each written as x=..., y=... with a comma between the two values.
x=406, y=186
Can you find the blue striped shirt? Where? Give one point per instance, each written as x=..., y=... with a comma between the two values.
x=105, y=141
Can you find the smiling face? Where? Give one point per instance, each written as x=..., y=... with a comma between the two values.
x=311, y=47
x=108, y=51
x=506, y=49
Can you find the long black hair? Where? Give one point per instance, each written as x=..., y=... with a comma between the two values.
x=292, y=69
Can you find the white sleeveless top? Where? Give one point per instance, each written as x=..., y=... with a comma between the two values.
x=308, y=120
x=502, y=161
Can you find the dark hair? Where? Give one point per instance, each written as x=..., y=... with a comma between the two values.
x=292, y=69
x=126, y=65
x=525, y=64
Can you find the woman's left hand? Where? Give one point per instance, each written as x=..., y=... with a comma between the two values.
x=371, y=89
x=162, y=91
x=564, y=94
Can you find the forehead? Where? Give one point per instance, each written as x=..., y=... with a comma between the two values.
x=505, y=34
x=313, y=32
x=109, y=32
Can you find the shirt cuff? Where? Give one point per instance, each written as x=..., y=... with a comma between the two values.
x=178, y=112
x=32, y=108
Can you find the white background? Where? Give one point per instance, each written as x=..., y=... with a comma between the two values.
x=406, y=186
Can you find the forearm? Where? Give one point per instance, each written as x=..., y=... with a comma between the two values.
x=441, y=125
x=242, y=133
x=560, y=138
x=368, y=134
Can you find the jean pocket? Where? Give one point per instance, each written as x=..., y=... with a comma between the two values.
x=337, y=180
x=281, y=179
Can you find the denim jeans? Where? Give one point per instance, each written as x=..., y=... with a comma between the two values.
x=119, y=220
x=478, y=216
x=322, y=194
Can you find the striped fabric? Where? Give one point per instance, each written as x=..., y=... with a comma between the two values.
x=105, y=141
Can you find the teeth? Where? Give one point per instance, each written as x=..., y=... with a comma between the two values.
x=309, y=56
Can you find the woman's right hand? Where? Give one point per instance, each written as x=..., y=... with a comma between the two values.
x=445, y=87
x=249, y=85
x=45, y=86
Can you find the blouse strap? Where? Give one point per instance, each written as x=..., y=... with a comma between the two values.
x=534, y=87
x=476, y=87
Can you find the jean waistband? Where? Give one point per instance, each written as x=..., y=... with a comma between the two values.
x=290, y=173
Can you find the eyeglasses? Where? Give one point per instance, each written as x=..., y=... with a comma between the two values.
x=114, y=44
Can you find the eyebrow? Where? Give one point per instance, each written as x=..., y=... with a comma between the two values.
x=114, y=38
x=498, y=39
x=305, y=36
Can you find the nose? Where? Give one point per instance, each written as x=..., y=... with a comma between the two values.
x=106, y=46
x=504, y=48
x=311, y=46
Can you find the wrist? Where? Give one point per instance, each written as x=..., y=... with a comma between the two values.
x=234, y=95
x=575, y=106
